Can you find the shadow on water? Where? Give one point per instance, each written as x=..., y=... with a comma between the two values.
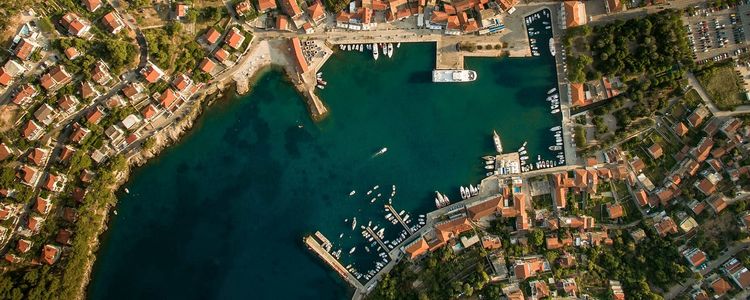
x=420, y=77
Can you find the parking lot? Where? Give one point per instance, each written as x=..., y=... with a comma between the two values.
x=717, y=34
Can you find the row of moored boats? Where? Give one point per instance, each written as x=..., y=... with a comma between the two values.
x=386, y=49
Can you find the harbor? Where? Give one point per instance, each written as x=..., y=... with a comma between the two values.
x=264, y=160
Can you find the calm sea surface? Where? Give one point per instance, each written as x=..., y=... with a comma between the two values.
x=222, y=214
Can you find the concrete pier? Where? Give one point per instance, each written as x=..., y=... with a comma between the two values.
x=316, y=247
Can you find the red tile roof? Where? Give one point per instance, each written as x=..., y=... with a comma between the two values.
x=92, y=5
x=575, y=13
x=50, y=254
x=291, y=8
x=212, y=36
x=577, y=95
x=24, y=48
x=234, y=38
x=167, y=98
x=298, y=56
x=23, y=246
x=206, y=65
x=5, y=77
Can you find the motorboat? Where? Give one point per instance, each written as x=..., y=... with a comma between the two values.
x=489, y=167
x=375, y=52
x=390, y=50
x=555, y=148
x=352, y=193
x=488, y=157
x=556, y=110
x=551, y=91
x=381, y=151
x=552, y=46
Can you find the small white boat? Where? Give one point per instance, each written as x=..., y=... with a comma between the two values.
x=488, y=157
x=555, y=148
x=127, y=191
x=373, y=200
x=398, y=45
x=352, y=193
x=115, y=212
x=524, y=157
x=381, y=152
x=341, y=235
x=489, y=167
x=551, y=91
x=321, y=87
x=369, y=192
x=353, y=249
x=354, y=223
x=375, y=52
x=556, y=110
x=390, y=50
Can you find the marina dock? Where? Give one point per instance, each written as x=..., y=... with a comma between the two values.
x=316, y=247
x=395, y=214
x=380, y=242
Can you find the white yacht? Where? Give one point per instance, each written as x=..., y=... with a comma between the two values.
x=375, y=52
x=552, y=46
x=390, y=50
x=556, y=128
x=453, y=75
x=498, y=144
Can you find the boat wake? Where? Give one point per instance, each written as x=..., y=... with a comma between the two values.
x=379, y=153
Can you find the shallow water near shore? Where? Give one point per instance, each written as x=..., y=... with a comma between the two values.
x=221, y=215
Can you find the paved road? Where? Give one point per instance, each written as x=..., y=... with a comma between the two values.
x=693, y=82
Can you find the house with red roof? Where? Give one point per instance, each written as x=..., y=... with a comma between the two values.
x=529, y=267
x=67, y=104
x=133, y=91
x=95, y=115
x=575, y=13
x=29, y=175
x=92, y=5
x=5, y=77
x=88, y=91
x=615, y=210
x=317, y=12
x=696, y=258
x=74, y=24
x=79, y=133
x=24, y=48
x=180, y=10
x=112, y=22
x=56, y=78
x=234, y=38
x=66, y=153
x=32, y=131
x=25, y=95
x=38, y=156
x=149, y=112
x=416, y=248
x=696, y=118
x=23, y=245
x=5, y=151
x=100, y=73
x=291, y=8
x=182, y=83
x=50, y=254
x=152, y=73
x=72, y=53
x=737, y=273
x=45, y=114
x=616, y=290
x=665, y=226
x=221, y=54
x=212, y=36
x=42, y=205
x=720, y=286
x=299, y=58
x=55, y=183
x=64, y=236
x=167, y=98
x=680, y=129
x=207, y=65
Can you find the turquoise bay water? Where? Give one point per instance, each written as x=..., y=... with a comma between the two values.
x=222, y=214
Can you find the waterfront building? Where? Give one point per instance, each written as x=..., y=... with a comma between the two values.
x=416, y=248
x=574, y=14
x=299, y=58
